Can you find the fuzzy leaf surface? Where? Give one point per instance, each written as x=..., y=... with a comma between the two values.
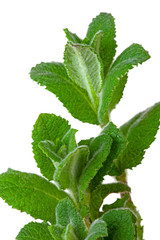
x=47, y=127
x=48, y=148
x=119, y=224
x=97, y=229
x=140, y=135
x=70, y=233
x=36, y=231
x=104, y=22
x=69, y=170
x=57, y=231
x=54, y=76
x=84, y=68
x=72, y=37
x=109, y=166
x=66, y=213
x=101, y=192
x=99, y=150
x=96, y=41
x=130, y=57
x=30, y=193
x=69, y=140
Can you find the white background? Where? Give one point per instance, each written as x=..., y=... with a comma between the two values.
x=31, y=32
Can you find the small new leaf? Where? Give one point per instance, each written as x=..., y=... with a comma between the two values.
x=47, y=127
x=66, y=213
x=99, y=150
x=36, y=231
x=72, y=37
x=69, y=170
x=104, y=22
x=30, y=193
x=57, y=231
x=97, y=230
x=84, y=68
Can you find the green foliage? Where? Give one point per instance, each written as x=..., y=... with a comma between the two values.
x=101, y=192
x=30, y=193
x=66, y=213
x=90, y=85
x=105, y=23
x=84, y=68
x=36, y=231
x=140, y=134
x=97, y=229
x=54, y=76
x=120, y=224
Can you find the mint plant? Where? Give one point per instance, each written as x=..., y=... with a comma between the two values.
x=90, y=84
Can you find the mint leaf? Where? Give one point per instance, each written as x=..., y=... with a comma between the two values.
x=140, y=135
x=69, y=170
x=110, y=166
x=119, y=203
x=97, y=229
x=36, y=231
x=54, y=76
x=69, y=140
x=30, y=193
x=66, y=213
x=48, y=148
x=101, y=192
x=84, y=68
x=99, y=150
x=47, y=127
x=119, y=224
x=115, y=79
x=70, y=233
x=72, y=36
x=57, y=231
x=139, y=228
x=105, y=23
x=96, y=41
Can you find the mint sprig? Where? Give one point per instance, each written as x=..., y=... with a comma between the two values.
x=90, y=83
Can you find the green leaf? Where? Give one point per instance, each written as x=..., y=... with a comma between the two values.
x=69, y=140
x=110, y=165
x=99, y=150
x=30, y=193
x=119, y=203
x=140, y=134
x=36, y=231
x=48, y=148
x=57, y=231
x=101, y=192
x=70, y=233
x=54, y=76
x=72, y=37
x=97, y=229
x=105, y=23
x=84, y=68
x=66, y=213
x=47, y=127
x=118, y=93
x=96, y=41
x=139, y=228
x=69, y=170
x=119, y=224
x=115, y=79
